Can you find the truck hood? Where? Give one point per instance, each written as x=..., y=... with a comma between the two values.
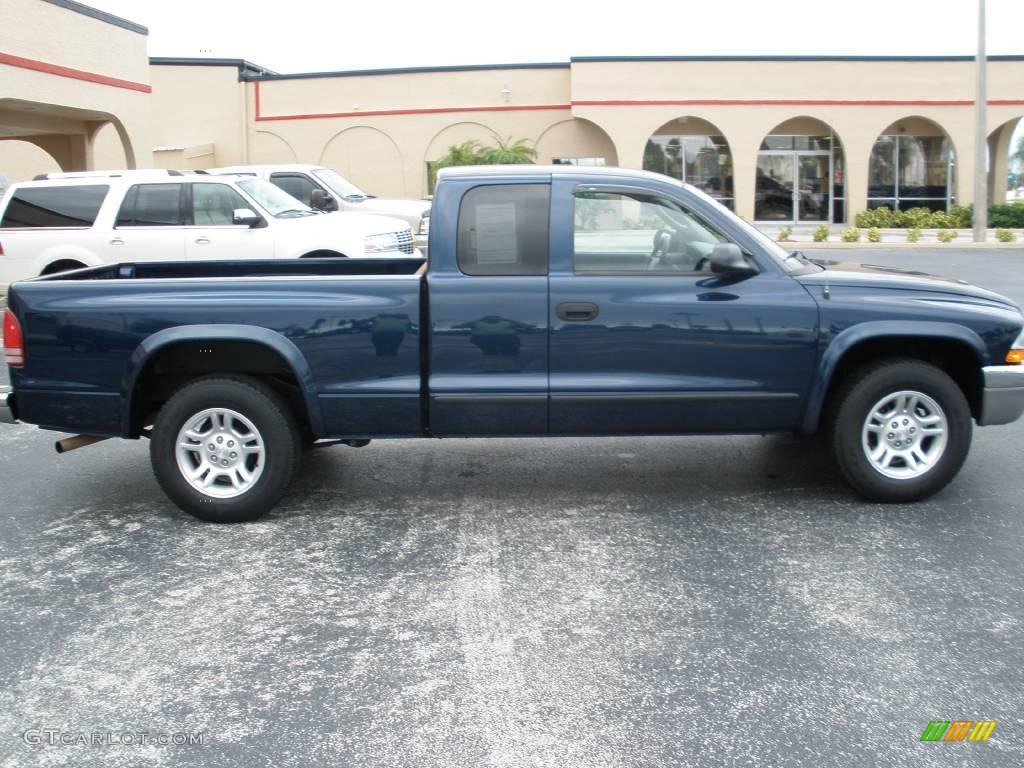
x=838, y=273
x=410, y=211
x=354, y=224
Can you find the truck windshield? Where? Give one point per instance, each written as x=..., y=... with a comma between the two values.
x=274, y=200
x=339, y=185
x=794, y=263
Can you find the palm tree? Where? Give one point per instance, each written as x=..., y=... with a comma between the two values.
x=508, y=152
x=466, y=153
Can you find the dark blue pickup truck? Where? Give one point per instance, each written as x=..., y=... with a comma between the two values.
x=557, y=301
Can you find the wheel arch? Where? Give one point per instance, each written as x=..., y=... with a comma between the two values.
x=958, y=350
x=197, y=338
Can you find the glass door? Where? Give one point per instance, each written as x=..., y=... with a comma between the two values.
x=773, y=192
x=812, y=200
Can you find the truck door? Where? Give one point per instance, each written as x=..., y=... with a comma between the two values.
x=645, y=339
x=488, y=288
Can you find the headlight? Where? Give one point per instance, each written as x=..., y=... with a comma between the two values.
x=424, y=228
x=1016, y=354
x=380, y=243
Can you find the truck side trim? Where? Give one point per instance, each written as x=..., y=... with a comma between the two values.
x=207, y=333
x=879, y=330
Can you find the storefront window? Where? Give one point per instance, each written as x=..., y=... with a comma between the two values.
x=701, y=160
x=910, y=172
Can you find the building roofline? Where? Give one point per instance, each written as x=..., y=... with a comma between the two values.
x=96, y=13
x=246, y=69
x=415, y=70
x=596, y=59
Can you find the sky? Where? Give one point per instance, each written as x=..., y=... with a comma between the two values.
x=304, y=36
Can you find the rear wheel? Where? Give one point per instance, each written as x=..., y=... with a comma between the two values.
x=901, y=430
x=225, y=448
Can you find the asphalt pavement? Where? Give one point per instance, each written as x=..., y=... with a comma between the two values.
x=566, y=603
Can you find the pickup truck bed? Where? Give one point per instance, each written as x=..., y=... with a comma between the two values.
x=557, y=301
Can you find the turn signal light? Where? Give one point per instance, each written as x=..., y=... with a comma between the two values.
x=1015, y=357
x=14, y=347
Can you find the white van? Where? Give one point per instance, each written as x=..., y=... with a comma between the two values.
x=66, y=221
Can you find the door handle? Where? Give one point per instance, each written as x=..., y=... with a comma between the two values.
x=576, y=312
x=117, y=241
x=202, y=240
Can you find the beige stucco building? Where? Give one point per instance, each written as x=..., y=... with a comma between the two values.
x=780, y=139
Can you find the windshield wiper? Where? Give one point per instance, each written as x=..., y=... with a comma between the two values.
x=293, y=210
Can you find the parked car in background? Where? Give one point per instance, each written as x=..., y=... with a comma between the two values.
x=66, y=221
x=327, y=190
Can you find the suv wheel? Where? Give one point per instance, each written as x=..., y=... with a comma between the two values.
x=225, y=449
x=901, y=430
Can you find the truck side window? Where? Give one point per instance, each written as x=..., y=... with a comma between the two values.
x=503, y=230
x=616, y=233
x=151, y=205
x=72, y=206
x=296, y=185
x=213, y=205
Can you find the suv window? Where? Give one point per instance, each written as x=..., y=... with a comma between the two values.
x=296, y=185
x=617, y=233
x=151, y=205
x=73, y=206
x=213, y=205
x=503, y=230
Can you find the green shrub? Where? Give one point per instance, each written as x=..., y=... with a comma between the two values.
x=913, y=234
x=963, y=216
x=1008, y=215
x=851, y=235
x=874, y=235
x=1005, y=235
x=784, y=234
x=941, y=220
x=883, y=218
x=947, y=235
x=821, y=233
x=917, y=217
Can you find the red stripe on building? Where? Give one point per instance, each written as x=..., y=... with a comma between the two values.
x=791, y=102
x=74, y=74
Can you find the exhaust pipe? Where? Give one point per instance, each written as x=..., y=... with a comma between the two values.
x=78, y=441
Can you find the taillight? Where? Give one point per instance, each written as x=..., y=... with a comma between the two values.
x=1, y=249
x=14, y=346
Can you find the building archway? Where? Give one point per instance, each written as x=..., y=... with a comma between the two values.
x=694, y=151
x=801, y=174
x=21, y=159
x=367, y=157
x=575, y=141
x=912, y=165
x=1004, y=178
x=268, y=149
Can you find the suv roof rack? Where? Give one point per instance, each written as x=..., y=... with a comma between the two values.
x=106, y=174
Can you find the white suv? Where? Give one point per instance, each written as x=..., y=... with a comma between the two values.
x=327, y=190
x=66, y=221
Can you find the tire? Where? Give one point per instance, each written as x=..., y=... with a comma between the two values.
x=925, y=449
x=225, y=412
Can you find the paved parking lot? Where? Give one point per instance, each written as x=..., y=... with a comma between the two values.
x=563, y=603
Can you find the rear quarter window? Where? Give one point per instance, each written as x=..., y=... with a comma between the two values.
x=75, y=206
x=503, y=230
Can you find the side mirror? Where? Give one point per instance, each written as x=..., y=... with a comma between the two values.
x=322, y=201
x=246, y=216
x=728, y=259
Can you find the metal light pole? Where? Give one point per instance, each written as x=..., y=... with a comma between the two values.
x=980, y=134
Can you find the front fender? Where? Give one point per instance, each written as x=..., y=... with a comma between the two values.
x=205, y=333
x=881, y=329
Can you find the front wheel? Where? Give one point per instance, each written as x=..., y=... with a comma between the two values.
x=901, y=430
x=224, y=449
